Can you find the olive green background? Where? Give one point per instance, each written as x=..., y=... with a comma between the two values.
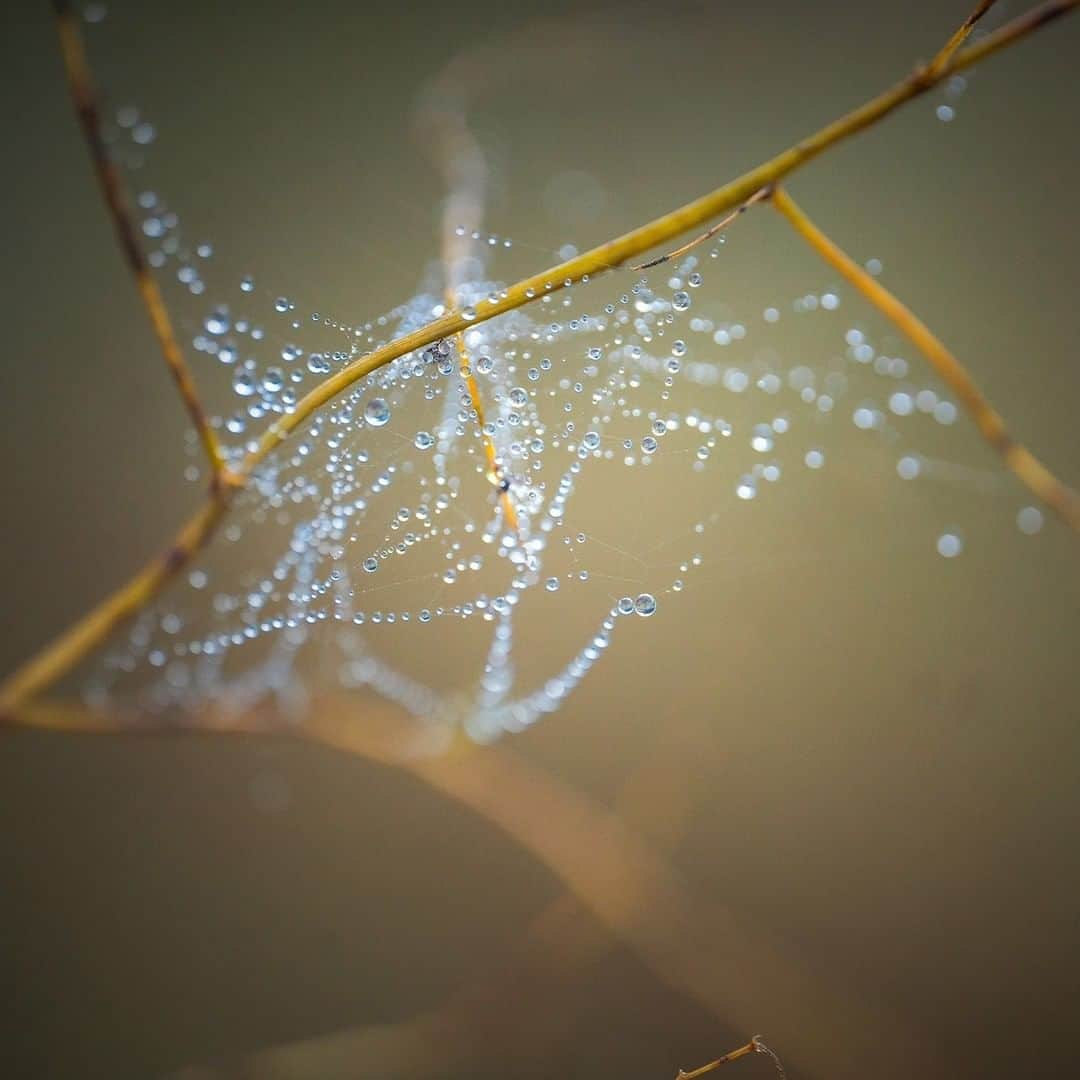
x=883, y=744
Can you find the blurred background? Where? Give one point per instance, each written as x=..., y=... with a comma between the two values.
x=835, y=752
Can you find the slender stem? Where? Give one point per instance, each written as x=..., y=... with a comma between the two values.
x=754, y=1046
x=495, y=472
x=708, y=234
x=57, y=658
x=461, y=159
x=941, y=61
x=734, y=1055
x=1031, y=472
x=112, y=188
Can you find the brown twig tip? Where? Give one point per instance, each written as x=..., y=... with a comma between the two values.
x=761, y=1048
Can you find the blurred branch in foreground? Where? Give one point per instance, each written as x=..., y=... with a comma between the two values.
x=721, y=961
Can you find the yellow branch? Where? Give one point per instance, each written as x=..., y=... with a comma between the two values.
x=112, y=190
x=1031, y=472
x=57, y=658
x=495, y=472
x=93, y=628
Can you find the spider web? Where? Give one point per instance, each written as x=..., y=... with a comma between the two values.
x=630, y=418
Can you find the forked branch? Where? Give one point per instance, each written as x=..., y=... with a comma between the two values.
x=61, y=655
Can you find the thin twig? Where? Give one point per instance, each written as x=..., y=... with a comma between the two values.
x=941, y=61
x=60, y=655
x=1031, y=472
x=461, y=159
x=112, y=188
x=733, y=1055
x=754, y=1046
x=708, y=234
x=496, y=474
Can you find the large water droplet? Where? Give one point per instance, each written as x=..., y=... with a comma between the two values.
x=645, y=604
x=377, y=412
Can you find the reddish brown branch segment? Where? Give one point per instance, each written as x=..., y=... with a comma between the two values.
x=112, y=188
x=708, y=234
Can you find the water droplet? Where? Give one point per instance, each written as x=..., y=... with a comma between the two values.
x=908, y=467
x=273, y=380
x=218, y=321
x=1030, y=520
x=680, y=301
x=949, y=545
x=376, y=412
x=645, y=604
x=762, y=438
x=244, y=384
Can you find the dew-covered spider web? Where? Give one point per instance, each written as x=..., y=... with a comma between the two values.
x=576, y=463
